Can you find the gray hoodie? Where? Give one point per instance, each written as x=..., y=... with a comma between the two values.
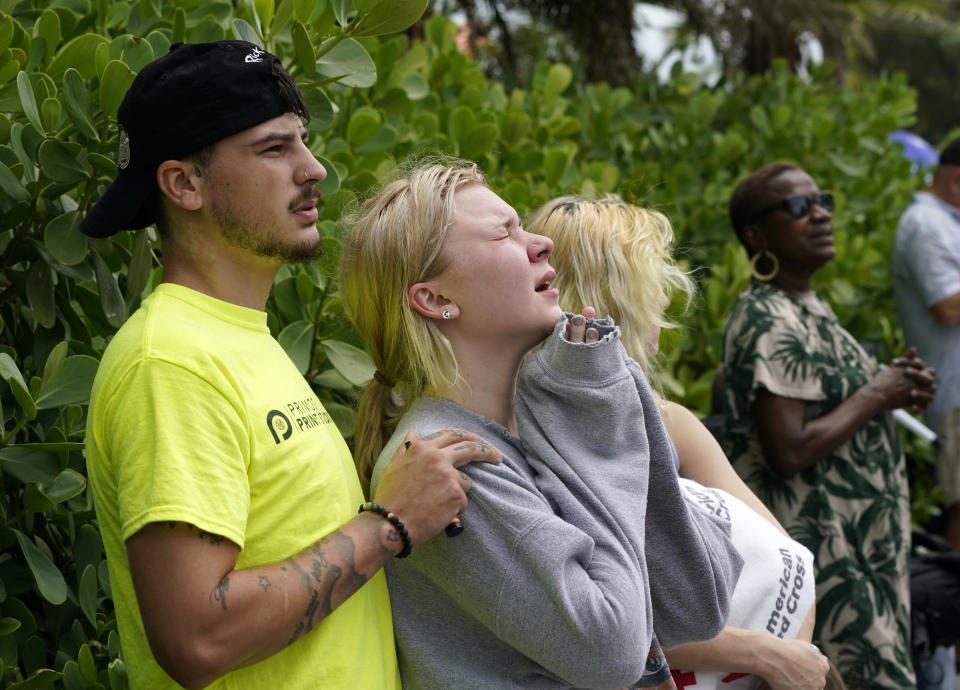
x=562, y=572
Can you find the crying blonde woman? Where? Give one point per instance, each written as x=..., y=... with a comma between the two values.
x=579, y=550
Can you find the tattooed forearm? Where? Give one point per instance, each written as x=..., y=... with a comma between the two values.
x=263, y=582
x=389, y=550
x=332, y=575
x=296, y=633
x=310, y=614
x=219, y=593
x=320, y=568
x=348, y=575
x=326, y=575
x=300, y=571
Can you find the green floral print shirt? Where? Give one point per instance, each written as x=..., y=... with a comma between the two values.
x=851, y=508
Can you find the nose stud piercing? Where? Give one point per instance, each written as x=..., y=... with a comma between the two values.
x=306, y=175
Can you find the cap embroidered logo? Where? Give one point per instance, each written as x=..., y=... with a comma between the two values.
x=123, y=153
x=256, y=55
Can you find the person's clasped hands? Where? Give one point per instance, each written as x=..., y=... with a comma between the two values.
x=908, y=383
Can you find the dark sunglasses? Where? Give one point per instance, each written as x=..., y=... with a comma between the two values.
x=799, y=206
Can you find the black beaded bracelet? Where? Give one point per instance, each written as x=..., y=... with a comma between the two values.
x=397, y=523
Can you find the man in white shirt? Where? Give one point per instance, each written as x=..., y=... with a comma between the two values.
x=926, y=283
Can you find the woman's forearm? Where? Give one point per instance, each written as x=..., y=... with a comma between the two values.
x=791, y=442
x=733, y=650
x=784, y=664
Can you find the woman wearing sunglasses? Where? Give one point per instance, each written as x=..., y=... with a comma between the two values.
x=807, y=426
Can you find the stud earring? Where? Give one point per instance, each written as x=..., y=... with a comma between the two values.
x=445, y=313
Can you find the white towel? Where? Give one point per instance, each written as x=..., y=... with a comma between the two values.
x=776, y=587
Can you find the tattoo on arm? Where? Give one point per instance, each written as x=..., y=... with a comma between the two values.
x=263, y=582
x=467, y=446
x=325, y=577
x=212, y=539
x=219, y=593
x=296, y=633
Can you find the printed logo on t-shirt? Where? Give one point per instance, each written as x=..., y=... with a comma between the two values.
x=791, y=585
x=279, y=425
x=710, y=501
x=305, y=414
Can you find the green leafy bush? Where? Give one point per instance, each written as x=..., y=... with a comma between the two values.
x=64, y=68
x=376, y=99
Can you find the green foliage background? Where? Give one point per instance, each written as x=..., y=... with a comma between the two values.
x=375, y=99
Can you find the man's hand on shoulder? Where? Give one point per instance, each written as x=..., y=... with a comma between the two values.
x=423, y=486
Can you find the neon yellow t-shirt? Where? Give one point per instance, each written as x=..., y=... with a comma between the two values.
x=197, y=415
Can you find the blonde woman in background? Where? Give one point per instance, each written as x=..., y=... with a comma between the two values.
x=617, y=257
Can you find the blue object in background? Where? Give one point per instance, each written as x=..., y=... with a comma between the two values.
x=916, y=148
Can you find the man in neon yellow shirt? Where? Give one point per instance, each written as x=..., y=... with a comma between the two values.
x=226, y=497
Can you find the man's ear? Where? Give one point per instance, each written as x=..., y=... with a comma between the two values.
x=177, y=180
x=425, y=298
x=754, y=238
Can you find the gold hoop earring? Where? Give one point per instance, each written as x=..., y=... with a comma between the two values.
x=765, y=277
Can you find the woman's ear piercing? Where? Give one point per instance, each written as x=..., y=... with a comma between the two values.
x=445, y=313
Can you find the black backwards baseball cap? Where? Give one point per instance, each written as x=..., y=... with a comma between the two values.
x=179, y=104
x=951, y=153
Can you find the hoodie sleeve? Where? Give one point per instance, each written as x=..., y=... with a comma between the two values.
x=520, y=585
x=592, y=429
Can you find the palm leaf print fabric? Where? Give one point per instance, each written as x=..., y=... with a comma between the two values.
x=851, y=508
